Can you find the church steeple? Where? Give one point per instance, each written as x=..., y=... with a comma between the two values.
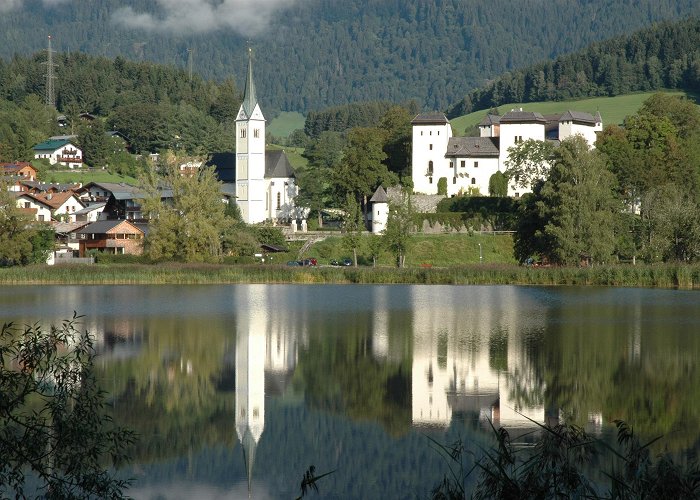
x=249, y=99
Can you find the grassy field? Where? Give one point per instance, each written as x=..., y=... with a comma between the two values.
x=442, y=250
x=665, y=276
x=85, y=176
x=286, y=123
x=612, y=109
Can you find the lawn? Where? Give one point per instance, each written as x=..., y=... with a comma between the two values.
x=285, y=123
x=84, y=176
x=438, y=250
x=612, y=109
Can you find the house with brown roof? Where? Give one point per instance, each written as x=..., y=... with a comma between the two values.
x=62, y=205
x=22, y=169
x=116, y=237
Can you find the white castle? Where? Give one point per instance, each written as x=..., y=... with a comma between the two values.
x=469, y=162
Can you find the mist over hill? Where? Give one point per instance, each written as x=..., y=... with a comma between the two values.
x=311, y=54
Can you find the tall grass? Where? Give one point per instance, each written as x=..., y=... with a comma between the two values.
x=657, y=276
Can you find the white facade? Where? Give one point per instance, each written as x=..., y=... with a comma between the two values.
x=279, y=198
x=380, y=210
x=431, y=133
x=471, y=161
x=250, y=155
x=43, y=211
x=66, y=154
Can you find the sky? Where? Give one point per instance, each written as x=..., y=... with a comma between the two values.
x=244, y=17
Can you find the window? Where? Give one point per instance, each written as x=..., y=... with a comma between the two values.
x=517, y=195
x=256, y=133
x=279, y=201
x=476, y=164
x=430, y=168
x=242, y=133
x=430, y=180
x=431, y=147
x=421, y=132
x=431, y=132
x=518, y=139
x=438, y=132
x=454, y=180
x=27, y=204
x=473, y=180
x=463, y=163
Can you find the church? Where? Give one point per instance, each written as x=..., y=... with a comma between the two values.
x=467, y=163
x=263, y=180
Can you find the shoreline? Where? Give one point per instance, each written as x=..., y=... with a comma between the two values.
x=675, y=276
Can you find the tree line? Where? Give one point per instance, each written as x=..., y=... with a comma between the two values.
x=321, y=53
x=663, y=56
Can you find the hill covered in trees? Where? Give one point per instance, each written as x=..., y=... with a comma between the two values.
x=666, y=55
x=311, y=54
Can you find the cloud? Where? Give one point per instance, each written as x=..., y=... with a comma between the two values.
x=245, y=17
x=8, y=5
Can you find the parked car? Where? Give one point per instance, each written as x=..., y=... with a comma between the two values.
x=334, y=262
x=293, y=263
x=308, y=262
x=347, y=262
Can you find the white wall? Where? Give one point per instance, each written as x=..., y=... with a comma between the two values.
x=423, y=137
x=475, y=173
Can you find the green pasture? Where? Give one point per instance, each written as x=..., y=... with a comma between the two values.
x=285, y=123
x=612, y=109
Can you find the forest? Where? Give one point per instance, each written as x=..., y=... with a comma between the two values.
x=312, y=54
x=666, y=55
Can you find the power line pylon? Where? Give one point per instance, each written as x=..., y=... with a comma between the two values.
x=50, y=77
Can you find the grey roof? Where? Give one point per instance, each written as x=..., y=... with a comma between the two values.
x=44, y=186
x=277, y=164
x=489, y=120
x=228, y=189
x=598, y=118
x=101, y=226
x=67, y=227
x=430, y=119
x=474, y=147
x=379, y=196
x=249, y=99
x=90, y=208
x=120, y=190
x=522, y=117
x=578, y=117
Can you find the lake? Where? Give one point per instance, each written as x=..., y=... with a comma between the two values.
x=240, y=388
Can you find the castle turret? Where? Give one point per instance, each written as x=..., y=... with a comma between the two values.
x=380, y=210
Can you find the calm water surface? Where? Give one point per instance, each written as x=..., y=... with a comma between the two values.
x=241, y=388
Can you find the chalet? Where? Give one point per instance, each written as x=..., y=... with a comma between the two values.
x=62, y=205
x=34, y=207
x=67, y=242
x=111, y=236
x=59, y=151
x=22, y=169
x=469, y=162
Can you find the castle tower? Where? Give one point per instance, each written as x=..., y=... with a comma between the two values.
x=250, y=153
x=431, y=133
x=380, y=210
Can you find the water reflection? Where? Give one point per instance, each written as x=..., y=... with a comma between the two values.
x=351, y=377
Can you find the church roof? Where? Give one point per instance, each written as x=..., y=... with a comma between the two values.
x=277, y=164
x=379, y=196
x=472, y=147
x=430, y=119
x=249, y=99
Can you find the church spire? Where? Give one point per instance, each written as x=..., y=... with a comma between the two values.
x=249, y=99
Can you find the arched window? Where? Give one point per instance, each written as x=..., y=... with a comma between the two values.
x=279, y=201
x=430, y=168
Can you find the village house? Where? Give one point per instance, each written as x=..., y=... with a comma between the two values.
x=60, y=206
x=59, y=151
x=21, y=169
x=116, y=237
x=467, y=163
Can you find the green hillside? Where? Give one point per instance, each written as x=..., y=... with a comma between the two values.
x=612, y=109
x=285, y=123
x=313, y=54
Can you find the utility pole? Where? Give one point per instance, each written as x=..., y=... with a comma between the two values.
x=50, y=77
x=189, y=63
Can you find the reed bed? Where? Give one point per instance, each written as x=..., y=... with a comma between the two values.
x=653, y=276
